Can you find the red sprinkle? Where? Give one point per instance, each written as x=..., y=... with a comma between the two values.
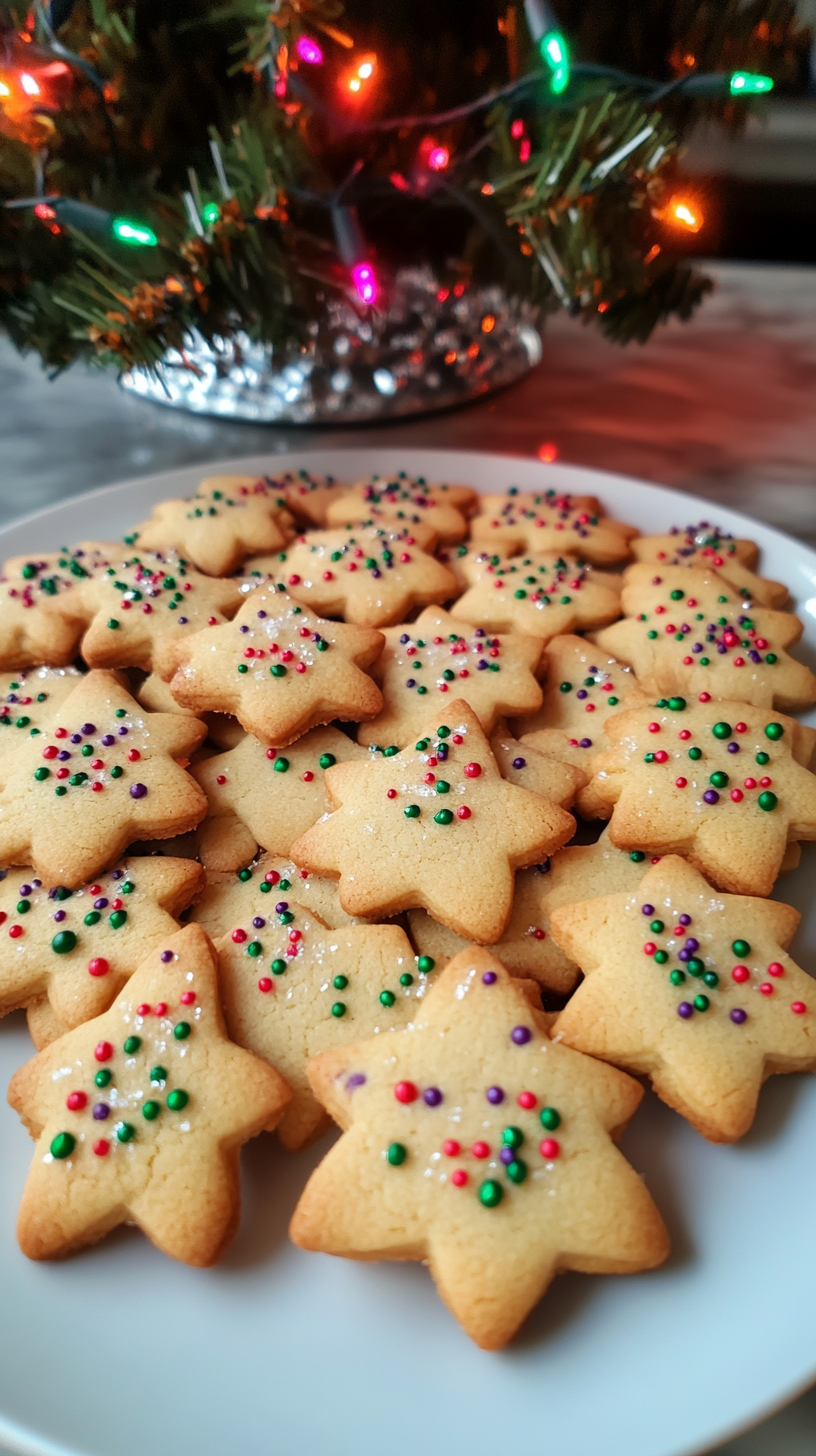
x=103, y=1051
x=98, y=966
x=463, y=812
x=775, y=969
x=481, y=1150
x=143, y=1010
x=134, y=755
x=239, y=936
x=15, y=931
x=391, y=793
x=406, y=1092
x=101, y=1147
x=680, y=783
x=75, y=1101
x=308, y=776
x=549, y=1148
x=451, y=1148
x=97, y=787
x=294, y=580
x=473, y=770
x=704, y=698
x=160, y=1009
x=654, y=727
x=221, y=779
x=649, y=948
x=798, y=1008
x=740, y=974
x=459, y=1178
x=265, y=984
x=526, y=1100
x=187, y=998
x=737, y=795
x=766, y=988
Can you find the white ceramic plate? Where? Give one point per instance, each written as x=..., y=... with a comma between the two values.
x=120, y=1352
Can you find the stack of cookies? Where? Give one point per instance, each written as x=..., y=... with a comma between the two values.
x=285, y=819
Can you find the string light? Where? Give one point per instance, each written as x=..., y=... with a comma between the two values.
x=438, y=158
x=744, y=83
x=29, y=85
x=680, y=211
x=554, y=52
x=210, y=213
x=309, y=51
x=548, y=452
x=363, y=72
x=4, y=90
x=365, y=281
x=136, y=234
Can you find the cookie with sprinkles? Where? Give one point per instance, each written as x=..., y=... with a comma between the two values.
x=102, y=774
x=476, y=1144
x=687, y=631
x=408, y=502
x=29, y=698
x=718, y=782
x=704, y=545
x=692, y=988
x=222, y=729
x=293, y=987
x=308, y=496
x=425, y=662
x=369, y=575
x=260, y=796
x=530, y=769
x=528, y=947
x=140, y=1114
x=228, y=897
x=279, y=668
x=141, y=605
x=540, y=595
x=41, y=621
x=76, y=948
x=537, y=524
x=583, y=687
x=229, y=518
x=435, y=828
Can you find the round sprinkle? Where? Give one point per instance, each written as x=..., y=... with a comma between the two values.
x=489, y=978
x=387, y=998
x=767, y=801
x=741, y=948
x=432, y=1096
x=132, y=1045
x=521, y=1035
x=138, y=791
x=773, y=731
x=495, y=1095
x=491, y=1193
x=181, y=1030
x=550, y=1118
x=722, y=730
x=63, y=942
x=411, y=811
x=178, y=1099
x=798, y=1008
x=63, y=1145
x=151, y=1110
x=406, y=1092
x=685, y=1009
x=396, y=1154
x=125, y=1132
x=75, y=1101
x=738, y=1016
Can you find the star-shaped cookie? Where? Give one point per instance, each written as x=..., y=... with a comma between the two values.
x=102, y=774
x=41, y=621
x=709, y=547
x=369, y=575
x=140, y=1114
x=432, y=659
x=407, y=502
x=222, y=729
x=541, y=595
x=435, y=828
x=28, y=700
x=474, y=1142
x=722, y=783
x=279, y=668
x=293, y=987
x=258, y=796
x=228, y=897
x=527, y=947
x=137, y=607
x=229, y=518
x=692, y=988
x=527, y=766
x=308, y=496
x=533, y=523
x=687, y=631
x=74, y=949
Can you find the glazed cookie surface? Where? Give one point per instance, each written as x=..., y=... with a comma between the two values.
x=474, y=1142
x=693, y=988
x=426, y=662
x=229, y=518
x=279, y=668
x=101, y=775
x=139, y=1116
x=435, y=827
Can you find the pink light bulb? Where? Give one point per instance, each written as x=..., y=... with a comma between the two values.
x=365, y=281
x=438, y=159
x=309, y=51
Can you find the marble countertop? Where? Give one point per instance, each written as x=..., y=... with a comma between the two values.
x=724, y=406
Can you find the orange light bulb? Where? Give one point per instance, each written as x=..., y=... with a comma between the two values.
x=683, y=213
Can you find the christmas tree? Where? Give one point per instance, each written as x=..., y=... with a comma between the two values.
x=169, y=166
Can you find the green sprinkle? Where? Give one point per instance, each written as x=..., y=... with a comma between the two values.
x=132, y=1045
x=63, y=1145
x=762, y=759
x=125, y=1132
x=701, y=1003
x=406, y=979
x=412, y=811
x=340, y=983
x=656, y=927
x=42, y=773
x=676, y=595
x=113, y=624
x=396, y=1154
x=516, y=1171
x=242, y=667
x=661, y=956
x=443, y=731
x=491, y=1193
x=103, y=1078
x=326, y=760
x=425, y=964
x=711, y=979
x=442, y=787
x=245, y=875
x=178, y=1099
x=677, y=705
x=151, y=1111
x=741, y=948
x=512, y=1137
x=550, y=1118
x=771, y=659
x=278, y=967
x=254, y=948
x=281, y=765
x=117, y=919
x=719, y=779
x=338, y=1009
x=695, y=966
x=278, y=670
x=677, y=978
x=695, y=753
x=722, y=730
x=773, y=730
x=182, y=1030
x=117, y=771
x=651, y=634
x=767, y=801
x=63, y=942
x=387, y=998
x=443, y=817
x=158, y=1074
x=637, y=856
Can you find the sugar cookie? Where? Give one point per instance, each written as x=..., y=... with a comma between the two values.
x=539, y=595
x=537, y=523
x=229, y=518
x=708, y=547
x=368, y=575
x=406, y=502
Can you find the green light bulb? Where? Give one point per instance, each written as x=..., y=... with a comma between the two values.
x=743, y=83
x=134, y=233
x=210, y=213
x=554, y=52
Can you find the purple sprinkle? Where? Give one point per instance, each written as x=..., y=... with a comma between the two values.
x=355, y=1080
x=692, y=944
x=261, y=616
x=107, y=739
x=733, y=748
x=52, y=894
x=122, y=732
x=76, y=737
x=685, y=1009
x=495, y=1095
x=166, y=955
x=258, y=922
x=521, y=1035
x=12, y=698
x=721, y=648
x=479, y=632
x=711, y=796
x=581, y=693
x=25, y=889
x=376, y=573
x=488, y=978
x=684, y=920
x=432, y=1096
x=315, y=636
x=410, y=682
x=138, y=791
x=442, y=752
x=592, y=671
x=508, y=1155
x=88, y=728
x=36, y=884
x=481, y=665
x=647, y=909
x=754, y=655
x=243, y=627
x=698, y=647
x=281, y=906
x=182, y=621
x=101, y=1111
x=684, y=955
x=738, y=1016
x=585, y=743
x=101, y=904
x=63, y=755
x=405, y=638
x=519, y=763
x=60, y=915
x=117, y=874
